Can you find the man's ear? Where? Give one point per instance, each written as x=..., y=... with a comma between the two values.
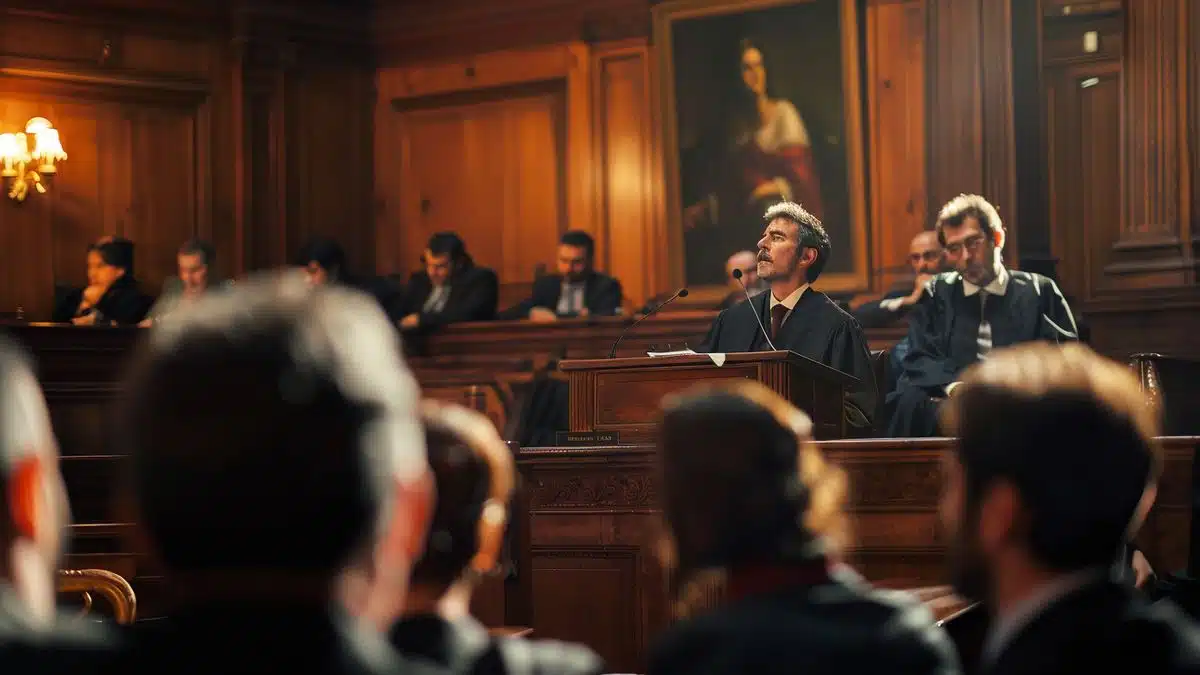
x=808, y=255
x=411, y=513
x=492, y=524
x=1000, y=515
x=26, y=498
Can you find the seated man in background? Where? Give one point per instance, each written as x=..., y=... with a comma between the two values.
x=745, y=262
x=925, y=256
x=578, y=290
x=195, y=264
x=34, y=516
x=112, y=296
x=750, y=503
x=274, y=442
x=793, y=251
x=1055, y=468
x=966, y=313
x=451, y=289
x=324, y=261
x=475, y=477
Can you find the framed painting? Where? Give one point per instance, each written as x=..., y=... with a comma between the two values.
x=762, y=101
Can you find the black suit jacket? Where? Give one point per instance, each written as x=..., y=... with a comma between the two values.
x=122, y=303
x=464, y=647
x=872, y=315
x=842, y=627
x=817, y=329
x=1105, y=627
x=602, y=296
x=474, y=292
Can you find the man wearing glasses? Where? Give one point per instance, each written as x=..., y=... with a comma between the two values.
x=965, y=313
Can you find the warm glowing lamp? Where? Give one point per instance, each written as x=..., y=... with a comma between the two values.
x=15, y=157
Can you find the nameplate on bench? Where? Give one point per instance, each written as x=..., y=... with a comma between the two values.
x=577, y=438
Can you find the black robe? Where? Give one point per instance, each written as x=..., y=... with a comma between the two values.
x=818, y=329
x=942, y=336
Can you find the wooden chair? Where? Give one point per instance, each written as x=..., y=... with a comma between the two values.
x=112, y=586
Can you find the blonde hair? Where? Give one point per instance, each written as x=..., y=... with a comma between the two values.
x=825, y=517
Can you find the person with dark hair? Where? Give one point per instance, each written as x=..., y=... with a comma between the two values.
x=965, y=313
x=274, y=448
x=793, y=250
x=451, y=289
x=578, y=290
x=34, y=515
x=751, y=507
x=195, y=260
x=112, y=296
x=324, y=261
x=475, y=477
x=1055, y=467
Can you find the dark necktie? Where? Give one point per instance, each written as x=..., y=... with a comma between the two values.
x=777, y=313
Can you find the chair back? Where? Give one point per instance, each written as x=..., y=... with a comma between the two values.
x=110, y=585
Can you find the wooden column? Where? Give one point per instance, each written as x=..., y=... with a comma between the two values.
x=1152, y=250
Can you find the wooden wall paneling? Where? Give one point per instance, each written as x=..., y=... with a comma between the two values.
x=895, y=40
x=497, y=147
x=1150, y=251
x=627, y=178
x=1034, y=247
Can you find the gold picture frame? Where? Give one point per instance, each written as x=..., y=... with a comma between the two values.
x=666, y=16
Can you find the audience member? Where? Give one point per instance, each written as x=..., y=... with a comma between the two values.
x=578, y=290
x=324, y=261
x=33, y=522
x=745, y=262
x=274, y=443
x=475, y=477
x=926, y=258
x=194, y=260
x=748, y=497
x=1054, y=470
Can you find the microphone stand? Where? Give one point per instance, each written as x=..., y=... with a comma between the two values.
x=681, y=293
x=737, y=274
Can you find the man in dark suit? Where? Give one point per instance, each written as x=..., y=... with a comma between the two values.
x=1055, y=468
x=33, y=526
x=791, y=254
x=475, y=477
x=578, y=290
x=450, y=289
x=274, y=444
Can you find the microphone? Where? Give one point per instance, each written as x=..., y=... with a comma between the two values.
x=681, y=293
x=737, y=274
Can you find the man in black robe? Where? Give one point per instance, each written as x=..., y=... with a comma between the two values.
x=967, y=312
x=791, y=254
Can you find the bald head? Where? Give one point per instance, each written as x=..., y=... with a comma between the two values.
x=269, y=428
x=925, y=253
x=747, y=262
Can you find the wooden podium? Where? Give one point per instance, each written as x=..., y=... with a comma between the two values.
x=623, y=395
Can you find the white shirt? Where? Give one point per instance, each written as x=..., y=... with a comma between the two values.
x=570, y=301
x=789, y=302
x=997, y=286
x=436, y=301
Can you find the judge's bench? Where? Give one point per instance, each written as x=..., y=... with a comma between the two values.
x=581, y=562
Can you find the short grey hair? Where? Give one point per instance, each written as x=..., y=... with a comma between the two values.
x=970, y=206
x=812, y=233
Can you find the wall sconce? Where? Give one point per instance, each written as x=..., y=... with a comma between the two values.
x=16, y=157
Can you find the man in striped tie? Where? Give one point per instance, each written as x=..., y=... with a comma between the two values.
x=967, y=312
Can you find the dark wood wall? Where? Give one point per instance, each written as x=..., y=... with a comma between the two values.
x=257, y=125
x=242, y=123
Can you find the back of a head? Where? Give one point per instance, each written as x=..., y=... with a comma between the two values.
x=473, y=470
x=267, y=426
x=742, y=481
x=1072, y=432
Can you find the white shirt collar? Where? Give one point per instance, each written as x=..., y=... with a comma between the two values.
x=791, y=300
x=1008, y=626
x=997, y=286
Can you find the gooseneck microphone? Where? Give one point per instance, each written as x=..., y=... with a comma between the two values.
x=737, y=274
x=681, y=293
